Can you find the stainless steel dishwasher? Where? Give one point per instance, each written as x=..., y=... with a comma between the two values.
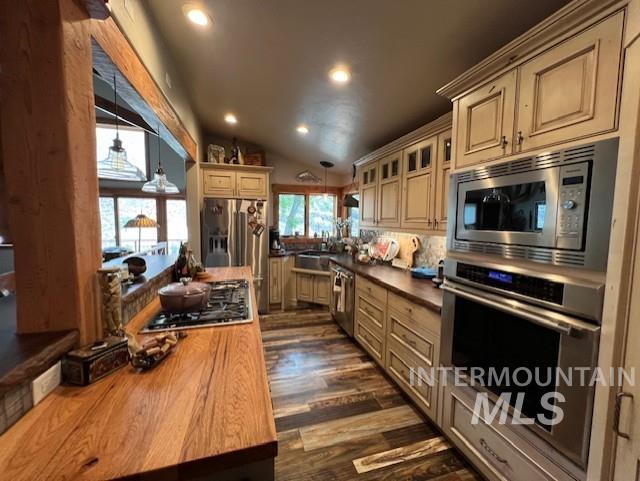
x=344, y=317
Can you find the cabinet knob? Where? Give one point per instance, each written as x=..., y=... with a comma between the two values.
x=504, y=142
x=519, y=137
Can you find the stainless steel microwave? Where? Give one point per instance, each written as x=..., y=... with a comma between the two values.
x=552, y=208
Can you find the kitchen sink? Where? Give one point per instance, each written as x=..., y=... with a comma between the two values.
x=313, y=261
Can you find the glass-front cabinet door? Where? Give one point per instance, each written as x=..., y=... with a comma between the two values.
x=418, y=184
x=368, y=193
x=442, y=181
x=389, y=190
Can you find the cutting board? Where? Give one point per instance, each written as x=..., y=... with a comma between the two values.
x=408, y=246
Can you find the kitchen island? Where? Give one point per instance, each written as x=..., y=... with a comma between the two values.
x=204, y=413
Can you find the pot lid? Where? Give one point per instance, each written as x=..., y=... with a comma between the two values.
x=184, y=288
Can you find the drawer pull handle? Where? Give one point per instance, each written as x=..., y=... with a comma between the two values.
x=616, y=418
x=491, y=452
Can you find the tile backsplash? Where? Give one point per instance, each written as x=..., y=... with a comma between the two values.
x=432, y=248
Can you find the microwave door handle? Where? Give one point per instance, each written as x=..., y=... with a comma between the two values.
x=539, y=318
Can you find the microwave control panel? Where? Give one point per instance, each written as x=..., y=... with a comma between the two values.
x=573, y=191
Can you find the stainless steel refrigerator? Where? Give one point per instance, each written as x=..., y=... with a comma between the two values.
x=234, y=234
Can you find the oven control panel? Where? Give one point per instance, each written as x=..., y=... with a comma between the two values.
x=572, y=200
x=529, y=286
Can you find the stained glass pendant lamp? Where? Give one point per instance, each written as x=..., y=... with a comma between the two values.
x=116, y=166
x=140, y=222
x=160, y=184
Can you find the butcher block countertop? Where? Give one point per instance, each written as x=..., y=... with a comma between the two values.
x=421, y=291
x=206, y=407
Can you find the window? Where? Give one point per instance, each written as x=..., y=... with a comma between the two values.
x=322, y=214
x=353, y=213
x=134, y=141
x=129, y=208
x=108, y=222
x=291, y=214
x=176, y=224
x=116, y=210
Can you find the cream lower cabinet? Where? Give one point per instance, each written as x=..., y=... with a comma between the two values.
x=282, y=282
x=321, y=290
x=404, y=338
x=275, y=280
x=313, y=288
x=304, y=287
x=370, y=318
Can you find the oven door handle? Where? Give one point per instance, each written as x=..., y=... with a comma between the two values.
x=537, y=317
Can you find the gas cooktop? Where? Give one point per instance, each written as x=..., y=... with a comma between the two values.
x=229, y=303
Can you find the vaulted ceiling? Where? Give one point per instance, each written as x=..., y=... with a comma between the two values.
x=267, y=61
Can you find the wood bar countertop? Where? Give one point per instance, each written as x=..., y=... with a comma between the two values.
x=398, y=281
x=206, y=407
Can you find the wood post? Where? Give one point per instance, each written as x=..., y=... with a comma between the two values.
x=49, y=149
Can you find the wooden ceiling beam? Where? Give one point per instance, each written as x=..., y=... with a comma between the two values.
x=114, y=55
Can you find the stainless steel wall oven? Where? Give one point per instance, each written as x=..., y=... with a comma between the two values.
x=500, y=317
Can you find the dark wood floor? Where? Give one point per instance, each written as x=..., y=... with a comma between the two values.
x=338, y=417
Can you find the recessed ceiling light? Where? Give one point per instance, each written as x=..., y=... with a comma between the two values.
x=302, y=129
x=196, y=15
x=230, y=119
x=340, y=75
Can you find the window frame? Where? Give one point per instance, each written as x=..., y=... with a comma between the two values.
x=308, y=209
x=161, y=208
x=147, y=158
x=277, y=212
x=277, y=189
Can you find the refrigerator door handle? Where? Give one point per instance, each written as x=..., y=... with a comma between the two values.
x=236, y=225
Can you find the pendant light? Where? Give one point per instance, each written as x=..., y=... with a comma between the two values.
x=160, y=184
x=326, y=165
x=116, y=166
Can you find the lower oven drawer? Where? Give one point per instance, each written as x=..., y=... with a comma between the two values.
x=370, y=341
x=399, y=363
x=493, y=453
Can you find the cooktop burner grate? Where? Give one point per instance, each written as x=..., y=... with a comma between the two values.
x=229, y=303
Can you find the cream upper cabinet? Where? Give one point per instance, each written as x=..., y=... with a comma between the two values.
x=418, y=168
x=569, y=91
x=251, y=185
x=235, y=181
x=368, y=193
x=485, y=121
x=389, y=189
x=442, y=181
x=219, y=183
